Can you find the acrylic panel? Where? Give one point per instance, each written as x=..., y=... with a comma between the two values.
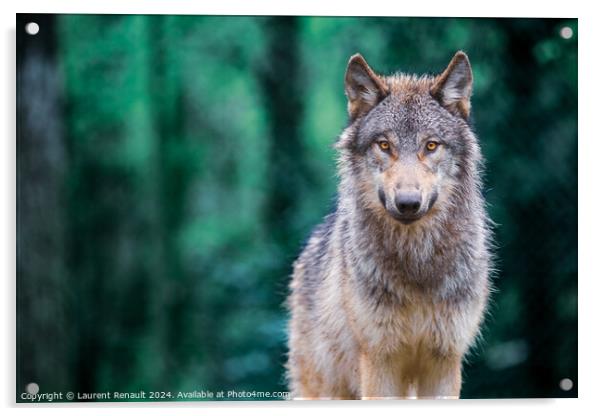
x=171, y=169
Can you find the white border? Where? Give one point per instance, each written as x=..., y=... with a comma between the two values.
x=590, y=154
x=511, y=8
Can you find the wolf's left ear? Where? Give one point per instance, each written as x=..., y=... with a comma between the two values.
x=364, y=89
x=454, y=86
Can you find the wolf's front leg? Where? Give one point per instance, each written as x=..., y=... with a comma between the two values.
x=381, y=378
x=440, y=378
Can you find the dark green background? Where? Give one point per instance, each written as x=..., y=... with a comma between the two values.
x=170, y=168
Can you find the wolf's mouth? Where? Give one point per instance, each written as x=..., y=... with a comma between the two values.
x=404, y=219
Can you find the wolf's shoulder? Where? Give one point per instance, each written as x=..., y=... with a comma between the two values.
x=317, y=243
x=311, y=266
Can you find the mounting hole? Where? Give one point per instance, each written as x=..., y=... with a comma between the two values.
x=32, y=388
x=566, y=32
x=32, y=28
x=566, y=384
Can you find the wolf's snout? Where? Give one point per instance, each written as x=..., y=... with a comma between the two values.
x=408, y=203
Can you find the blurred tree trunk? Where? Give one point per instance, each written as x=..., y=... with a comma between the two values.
x=539, y=296
x=42, y=338
x=283, y=96
x=173, y=182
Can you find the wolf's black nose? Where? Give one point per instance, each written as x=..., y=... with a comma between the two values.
x=408, y=203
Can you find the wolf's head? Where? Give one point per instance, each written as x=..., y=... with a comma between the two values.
x=408, y=147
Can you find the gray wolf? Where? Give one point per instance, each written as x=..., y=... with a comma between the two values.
x=389, y=293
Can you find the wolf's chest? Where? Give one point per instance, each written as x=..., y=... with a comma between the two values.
x=410, y=325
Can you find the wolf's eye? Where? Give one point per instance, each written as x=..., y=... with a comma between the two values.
x=384, y=145
x=431, y=146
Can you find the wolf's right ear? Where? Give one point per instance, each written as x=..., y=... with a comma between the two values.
x=364, y=89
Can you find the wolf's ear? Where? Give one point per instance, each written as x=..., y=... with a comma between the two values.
x=454, y=86
x=364, y=89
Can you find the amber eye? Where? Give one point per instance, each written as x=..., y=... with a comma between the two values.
x=431, y=146
x=384, y=145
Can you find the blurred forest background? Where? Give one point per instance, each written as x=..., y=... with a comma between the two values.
x=170, y=168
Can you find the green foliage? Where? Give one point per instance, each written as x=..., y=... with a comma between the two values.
x=197, y=158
